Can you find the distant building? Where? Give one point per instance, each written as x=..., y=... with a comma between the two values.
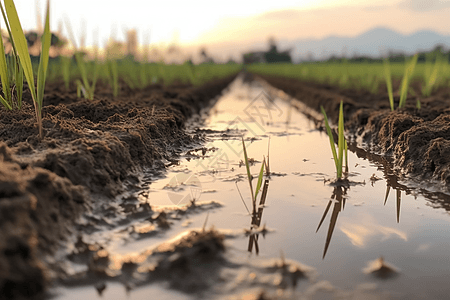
x=271, y=56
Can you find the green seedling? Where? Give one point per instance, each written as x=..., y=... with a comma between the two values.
x=11, y=73
x=83, y=85
x=6, y=99
x=387, y=76
x=20, y=42
x=409, y=70
x=113, y=76
x=256, y=214
x=338, y=156
x=254, y=194
x=65, y=68
x=431, y=76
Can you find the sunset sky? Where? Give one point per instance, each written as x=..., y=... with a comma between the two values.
x=226, y=26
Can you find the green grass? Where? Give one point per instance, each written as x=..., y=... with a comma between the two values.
x=387, y=76
x=368, y=76
x=404, y=89
x=259, y=184
x=85, y=85
x=76, y=69
x=18, y=37
x=11, y=73
x=431, y=74
x=338, y=156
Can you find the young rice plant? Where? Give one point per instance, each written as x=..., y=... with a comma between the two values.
x=338, y=156
x=20, y=42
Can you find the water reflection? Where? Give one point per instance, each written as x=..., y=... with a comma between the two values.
x=399, y=199
x=339, y=204
x=437, y=196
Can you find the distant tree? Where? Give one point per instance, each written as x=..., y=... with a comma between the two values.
x=274, y=56
x=205, y=56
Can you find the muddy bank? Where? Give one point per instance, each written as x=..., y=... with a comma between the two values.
x=417, y=140
x=92, y=151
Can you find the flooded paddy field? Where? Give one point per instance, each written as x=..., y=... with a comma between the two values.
x=185, y=233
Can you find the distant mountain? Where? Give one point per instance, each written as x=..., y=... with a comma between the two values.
x=371, y=43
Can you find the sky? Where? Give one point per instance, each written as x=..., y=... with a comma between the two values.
x=224, y=26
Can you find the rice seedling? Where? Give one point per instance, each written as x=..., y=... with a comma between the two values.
x=338, y=156
x=254, y=193
x=18, y=37
x=83, y=85
x=409, y=70
x=11, y=73
x=363, y=75
x=6, y=99
x=113, y=75
x=431, y=75
x=387, y=76
x=260, y=186
x=65, y=68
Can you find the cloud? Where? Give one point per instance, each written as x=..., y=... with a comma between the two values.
x=424, y=5
x=375, y=8
x=367, y=229
x=280, y=15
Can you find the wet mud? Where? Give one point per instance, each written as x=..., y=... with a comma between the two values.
x=92, y=152
x=417, y=141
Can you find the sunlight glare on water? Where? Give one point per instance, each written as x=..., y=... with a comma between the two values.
x=301, y=159
x=338, y=231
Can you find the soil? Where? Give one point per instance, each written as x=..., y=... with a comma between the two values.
x=95, y=151
x=417, y=141
x=92, y=152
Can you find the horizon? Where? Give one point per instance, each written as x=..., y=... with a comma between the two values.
x=234, y=27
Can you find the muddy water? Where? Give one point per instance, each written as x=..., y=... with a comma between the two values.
x=332, y=233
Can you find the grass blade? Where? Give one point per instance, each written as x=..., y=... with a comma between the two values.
x=249, y=175
x=260, y=178
x=43, y=62
x=341, y=140
x=409, y=70
x=387, y=76
x=330, y=135
x=6, y=101
x=242, y=197
x=18, y=78
x=346, y=157
x=21, y=44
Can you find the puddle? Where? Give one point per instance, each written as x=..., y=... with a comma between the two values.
x=378, y=238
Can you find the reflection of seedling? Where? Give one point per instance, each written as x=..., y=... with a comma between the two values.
x=342, y=143
x=266, y=161
x=339, y=205
x=399, y=199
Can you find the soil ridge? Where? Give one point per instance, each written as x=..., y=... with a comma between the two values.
x=417, y=140
x=90, y=148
